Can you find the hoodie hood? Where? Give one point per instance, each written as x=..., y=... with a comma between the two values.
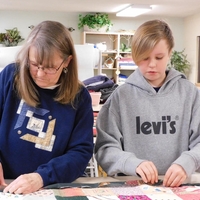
x=138, y=80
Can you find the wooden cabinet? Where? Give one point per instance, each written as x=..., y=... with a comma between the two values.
x=116, y=57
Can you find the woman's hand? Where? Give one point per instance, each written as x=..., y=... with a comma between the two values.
x=174, y=176
x=148, y=172
x=25, y=184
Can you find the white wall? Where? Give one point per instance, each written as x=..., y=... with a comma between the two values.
x=176, y=24
x=23, y=19
x=184, y=30
x=192, y=31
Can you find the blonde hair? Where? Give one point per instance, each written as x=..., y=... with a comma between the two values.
x=48, y=37
x=147, y=36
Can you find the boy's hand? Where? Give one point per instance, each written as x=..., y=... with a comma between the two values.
x=174, y=176
x=148, y=172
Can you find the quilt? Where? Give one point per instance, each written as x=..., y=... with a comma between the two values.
x=129, y=190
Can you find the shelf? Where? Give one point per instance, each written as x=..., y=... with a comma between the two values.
x=132, y=69
x=103, y=68
x=108, y=33
x=109, y=51
x=113, y=41
x=125, y=52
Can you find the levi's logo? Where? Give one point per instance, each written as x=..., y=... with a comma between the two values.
x=160, y=127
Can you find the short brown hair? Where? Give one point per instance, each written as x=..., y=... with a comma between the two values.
x=147, y=36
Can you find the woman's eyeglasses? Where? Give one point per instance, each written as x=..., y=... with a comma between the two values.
x=48, y=70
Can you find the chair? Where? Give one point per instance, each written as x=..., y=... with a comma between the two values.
x=92, y=168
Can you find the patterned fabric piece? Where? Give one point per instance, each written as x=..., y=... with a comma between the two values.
x=187, y=192
x=71, y=198
x=134, y=197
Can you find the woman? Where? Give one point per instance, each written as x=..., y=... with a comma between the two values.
x=150, y=125
x=46, y=116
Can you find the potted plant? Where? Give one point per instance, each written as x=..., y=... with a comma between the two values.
x=12, y=37
x=95, y=21
x=179, y=61
x=2, y=36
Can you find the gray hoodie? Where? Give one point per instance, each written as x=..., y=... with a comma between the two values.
x=137, y=123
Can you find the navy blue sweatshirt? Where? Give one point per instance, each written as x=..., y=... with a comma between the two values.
x=54, y=140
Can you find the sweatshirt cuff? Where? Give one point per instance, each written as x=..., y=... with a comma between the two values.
x=44, y=176
x=187, y=162
x=131, y=164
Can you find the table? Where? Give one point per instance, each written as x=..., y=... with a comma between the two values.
x=195, y=178
x=104, y=193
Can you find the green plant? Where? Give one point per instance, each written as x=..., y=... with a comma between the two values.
x=95, y=21
x=124, y=48
x=2, y=37
x=179, y=61
x=12, y=37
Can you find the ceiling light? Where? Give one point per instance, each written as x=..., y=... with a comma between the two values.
x=134, y=10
